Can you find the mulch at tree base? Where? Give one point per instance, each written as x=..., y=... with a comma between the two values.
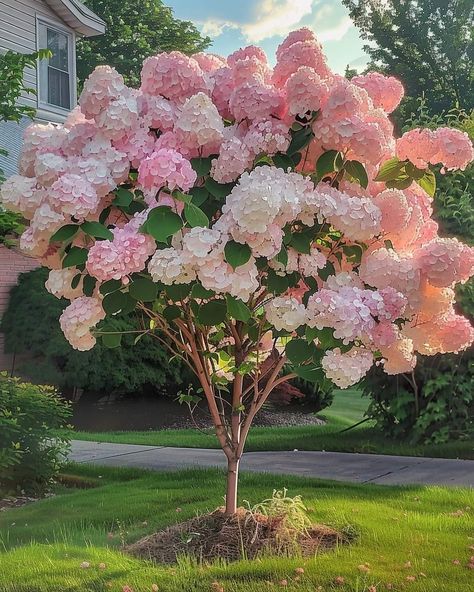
x=244, y=535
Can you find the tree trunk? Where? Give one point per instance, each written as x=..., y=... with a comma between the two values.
x=232, y=483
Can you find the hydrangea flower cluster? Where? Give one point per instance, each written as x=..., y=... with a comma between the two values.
x=228, y=187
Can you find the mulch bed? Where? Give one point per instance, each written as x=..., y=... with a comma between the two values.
x=245, y=534
x=8, y=503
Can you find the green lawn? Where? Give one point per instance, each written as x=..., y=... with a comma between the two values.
x=347, y=409
x=44, y=544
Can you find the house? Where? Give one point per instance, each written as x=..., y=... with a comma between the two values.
x=26, y=26
x=29, y=25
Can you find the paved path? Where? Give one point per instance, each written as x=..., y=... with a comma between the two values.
x=341, y=466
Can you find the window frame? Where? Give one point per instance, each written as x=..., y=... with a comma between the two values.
x=42, y=25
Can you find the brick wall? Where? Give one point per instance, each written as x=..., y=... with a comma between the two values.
x=12, y=263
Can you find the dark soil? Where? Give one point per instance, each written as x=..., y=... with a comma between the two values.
x=159, y=413
x=7, y=503
x=246, y=534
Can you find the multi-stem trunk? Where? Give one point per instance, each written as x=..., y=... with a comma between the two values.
x=232, y=485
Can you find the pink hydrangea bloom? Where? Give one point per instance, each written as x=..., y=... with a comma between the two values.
x=386, y=92
x=73, y=195
x=244, y=53
x=115, y=259
x=285, y=313
x=104, y=85
x=302, y=53
x=234, y=158
x=167, y=266
x=172, y=75
x=222, y=88
x=357, y=217
x=256, y=100
x=384, y=268
x=37, y=138
x=209, y=62
x=78, y=319
x=444, y=261
x=49, y=167
x=303, y=34
x=119, y=117
x=21, y=194
x=398, y=357
x=346, y=369
x=137, y=145
x=305, y=91
x=166, y=167
x=200, y=122
x=447, y=146
x=59, y=283
x=267, y=136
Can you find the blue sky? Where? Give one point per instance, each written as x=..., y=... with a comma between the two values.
x=237, y=23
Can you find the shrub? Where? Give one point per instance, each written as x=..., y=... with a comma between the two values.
x=435, y=404
x=33, y=434
x=31, y=327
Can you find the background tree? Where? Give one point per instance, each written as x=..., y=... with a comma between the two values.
x=428, y=44
x=136, y=29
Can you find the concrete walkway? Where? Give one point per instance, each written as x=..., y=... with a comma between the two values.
x=340, y=466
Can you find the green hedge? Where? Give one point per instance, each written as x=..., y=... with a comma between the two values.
x=31, y=326
x=34, y=435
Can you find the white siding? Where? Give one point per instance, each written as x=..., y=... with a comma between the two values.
x=18, y=32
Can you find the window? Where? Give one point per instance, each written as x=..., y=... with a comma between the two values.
x=56, y=74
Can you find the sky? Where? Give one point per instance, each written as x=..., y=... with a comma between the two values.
x=237, y=23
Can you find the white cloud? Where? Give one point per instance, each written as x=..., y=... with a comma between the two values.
x=276, y=17
x=336, y=32
x=269, y=18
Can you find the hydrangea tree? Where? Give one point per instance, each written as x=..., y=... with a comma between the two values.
x=257, y=218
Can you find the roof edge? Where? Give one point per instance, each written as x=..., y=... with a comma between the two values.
x=78, y=17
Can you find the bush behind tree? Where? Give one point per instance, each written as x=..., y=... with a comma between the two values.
x=31, y=327
x=34, y=438
x=435, y=405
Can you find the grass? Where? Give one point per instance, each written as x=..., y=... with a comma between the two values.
x=347, y=409
x=44, y=544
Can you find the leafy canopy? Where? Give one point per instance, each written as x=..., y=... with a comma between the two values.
x=135, y=30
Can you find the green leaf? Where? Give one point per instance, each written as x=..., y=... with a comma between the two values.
x=219, y=190
x=202, y=166
x=282, y=256
x=237, y=309
x=110, y=286
x=76, y=256
x=413, y=171
x=301, y=242
x=400, y=183
x=428, y=182
x=283, y=161
x=326, y=163
x=195, y=216
x=199, y=195
x=112, y=340
x=390, y=170
x=311, y=373
x=178, y=292
x=123, y=197
x=298, y=350
x=75, y=281
x=300, y=139
x=353, y=252
x=115, y=302
x=97, y=230
x=65, y=233
x=326, y=338
x=326, y=271
x=357, y=171
x=213, y=312
x=162, y=223
x=104, y=214
x=172, y=312
x=184, y=197
x=237, y=254
x=143, y=289
x=201, y=293
x=89, y=285
x=277, y=284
